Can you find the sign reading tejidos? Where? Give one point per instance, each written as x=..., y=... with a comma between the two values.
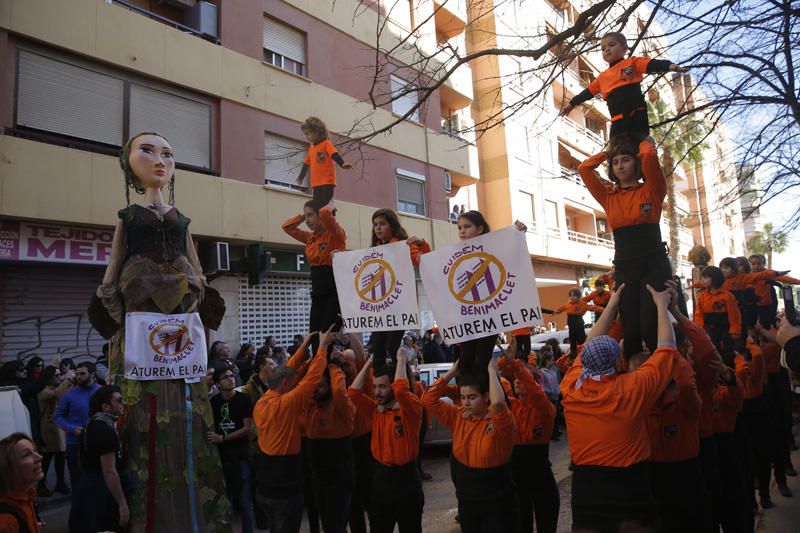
x=481, y=286
x=376, y=287
x=164, y=347
x=53, y=243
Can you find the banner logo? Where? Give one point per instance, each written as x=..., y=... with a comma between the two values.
x=375, y=280
x=170, y=340
x=476, y=278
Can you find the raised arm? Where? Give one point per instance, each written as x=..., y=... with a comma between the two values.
x=497, y=397
x=609, y=314
x=291, y=228
x=331, y=225
x=591, y=179
x=651, y=168
x=445, y=412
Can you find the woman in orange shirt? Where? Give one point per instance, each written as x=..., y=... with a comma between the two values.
x=575, y=309
x=634, y=212
x=386, y=229
x=483, y=439
x=20, y=469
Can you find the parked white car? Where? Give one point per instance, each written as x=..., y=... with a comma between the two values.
x=438, y=433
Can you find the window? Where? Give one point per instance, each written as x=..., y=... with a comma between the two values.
x=80, y=100
x=404, y=97
x=400, y=12
x=410, y=192
x=551, y=214
x=597, y=127
x=283, y=159
x=284, y=47
x=523, y=207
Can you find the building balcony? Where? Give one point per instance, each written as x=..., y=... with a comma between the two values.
x=682, y=203
x=201, y=19
x=456, y=92
x=450, y=17
x=568, y=246
x=579, y=136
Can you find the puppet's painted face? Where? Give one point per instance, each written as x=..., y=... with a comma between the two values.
x=152, y=161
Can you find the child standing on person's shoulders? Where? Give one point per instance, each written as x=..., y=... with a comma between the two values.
x=620, y=86
x=319, y=160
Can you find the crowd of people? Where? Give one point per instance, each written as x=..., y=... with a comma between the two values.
x=673, y=424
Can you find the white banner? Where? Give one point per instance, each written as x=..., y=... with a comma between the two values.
x=164, y=347
x=482, y=286
x=377, y=290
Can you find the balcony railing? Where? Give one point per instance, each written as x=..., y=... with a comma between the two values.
x=585, y=238
x=572, y=175
x=168, y=21
x=573, y=127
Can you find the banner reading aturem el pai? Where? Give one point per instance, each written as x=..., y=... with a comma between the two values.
x=161, y=346
x=376, y=287
x=481, y=286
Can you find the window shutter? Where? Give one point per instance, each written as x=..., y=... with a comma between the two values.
x=185, y=123
x=283, y=159
x=62, y=98
x=284, y=40
x=401, y=103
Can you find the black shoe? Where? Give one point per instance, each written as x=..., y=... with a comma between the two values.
x=766, y=503
x=42, y=491
x=63, y=488
x=785, y=491
x=790, y=471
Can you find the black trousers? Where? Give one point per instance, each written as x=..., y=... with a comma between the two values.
x=603, y=498
x=683, y=503
x=756, y=418
x=333, y=473
x=385, y=345
x=731, y=500
x=635, y=124
x=397, y=499
x=778, y=397
x=322, y=195
x=766, y=315
x=360, y=501
x=709, y=467
x=501, y=515
x=523, y=346
x=636, y=307
x=324, y=303
x=744, y=457
x=94, y=508
x=475, y=354
x=536, y=488
x=577, y=333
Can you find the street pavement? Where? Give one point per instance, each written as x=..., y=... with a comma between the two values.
x=440, y=500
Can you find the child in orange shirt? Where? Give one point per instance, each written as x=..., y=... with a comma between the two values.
x=717, y=312
x=599, y=296
x=620, y=86
x=575, y=309
x=320, y=159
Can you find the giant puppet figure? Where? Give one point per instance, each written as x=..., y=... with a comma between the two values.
x=176, y=481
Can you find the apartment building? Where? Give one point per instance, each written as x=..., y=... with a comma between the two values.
x=228, y=83
x=752, y=194
x=529, y=161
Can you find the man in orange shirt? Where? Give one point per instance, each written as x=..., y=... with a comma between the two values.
x=396, y=413
x=277, y=417
x=606, y=417
x=483, y=440
x=329, y=424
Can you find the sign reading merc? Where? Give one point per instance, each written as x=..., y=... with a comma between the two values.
x=482, y=286
x=376, y=287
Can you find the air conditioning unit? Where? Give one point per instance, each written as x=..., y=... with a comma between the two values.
x=448, y=182
x=219, y=258
x=455, y=124
x=202, y=16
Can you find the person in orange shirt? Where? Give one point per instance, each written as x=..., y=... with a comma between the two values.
x=767, y=305
x=620, y=86
x=396, y=413
x=329, y=425
x=599, y=296
x=277, y=417
x=717, y=312
x=606, y=416
x=20, y=470
x=386, y=229
x=325, y=238
x=483, y=441
x=534, y=416
x=741, y=284
x=319, y=160
x=575, y=309
x=634, y=212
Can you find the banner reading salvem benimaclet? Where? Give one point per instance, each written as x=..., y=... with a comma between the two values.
x=376, y=287
x=161, y=346
x=481, y=286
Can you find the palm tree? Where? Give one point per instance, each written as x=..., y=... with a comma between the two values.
x=684, y=139
x=767, y=241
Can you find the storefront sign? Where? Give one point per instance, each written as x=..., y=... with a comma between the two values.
x=376, y=288
x=283, y=261
x=482, y=286
x=161, y=346
x=51, y=243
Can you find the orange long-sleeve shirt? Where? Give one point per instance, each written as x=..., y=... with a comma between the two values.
x=534, y=414
x=606, y=419
x=335, y=419
x=477, y=443
x=277, y=416
x=578, y=308
x=564, y=363
x=395, y=432
x=703, y=352
x=598, y=298
x=754, y=385
x=415, y=250
x=727, y=404
x=363, y=421
x=23, y=502
x=763, y=289
x=772, y=356
x=673, y=422
x=718, y=301
x=320, y=244
x=640, y=204
x=740, y=282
